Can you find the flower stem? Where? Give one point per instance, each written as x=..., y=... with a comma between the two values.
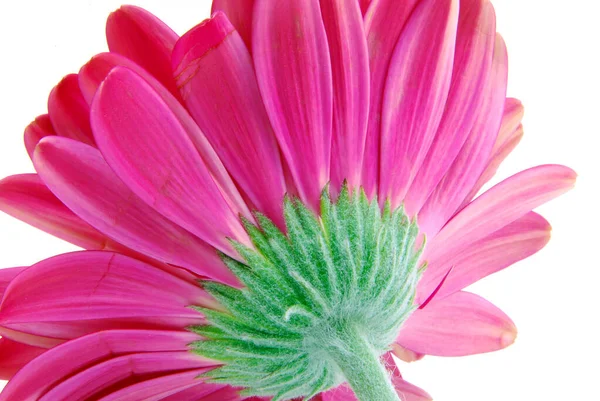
x=362, y=368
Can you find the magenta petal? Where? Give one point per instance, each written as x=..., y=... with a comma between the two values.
x=472, y=68
x=69, y=112
x=460, y=324
x=364, y=5
x=518, y=240
x=40, y=128
x=209, y=392
x=499, y=206
x=94, y=381
x=140, y=36
x=95, y=71
x=294, y=76
x=472, y=158
x=350, y=67
x=59, y=363
x=240, y=13
x=164, y=387
x=130, y=120
x=217, y=81
x=78, y=293
x=14, y=355
x=384, y=21
x=6, y=276
x=26, y=198
x=415, y=94
x=78, y=175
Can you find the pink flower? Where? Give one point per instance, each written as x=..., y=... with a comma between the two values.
x=149, y=156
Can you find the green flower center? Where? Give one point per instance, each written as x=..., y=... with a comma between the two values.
x=321, y=303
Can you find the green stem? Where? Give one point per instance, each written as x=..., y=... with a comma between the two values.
x=363, y=369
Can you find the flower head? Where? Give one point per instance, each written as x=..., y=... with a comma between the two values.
x=270, y=205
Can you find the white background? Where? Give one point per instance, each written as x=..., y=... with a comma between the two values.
x=554, y=69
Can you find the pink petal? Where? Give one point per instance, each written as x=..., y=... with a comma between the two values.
x=26, y=198
x=6, y=276
x=206, y=392
x=460, y=324
x=96, y=380
x=501, y=205
x=350, y=70
x=472, y=158
x=293, y=67
x=384, y=21
x=69, y=112
x=14, y=355
x=518, y=240
x=511, y=120
x=59, y=363
x=240, y=13
x=165, y=171
x=364, y=5
x=511, y=133
x=41, y=127
x=140, y=36
x=415, y=94
x=78, y=293
x=472, y=69
x=80, y=178
x=164, y=387
x=217, y=81
x=95, y=71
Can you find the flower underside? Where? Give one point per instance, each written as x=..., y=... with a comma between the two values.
x=327, y=296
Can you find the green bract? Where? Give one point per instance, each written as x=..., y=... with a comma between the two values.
x=335, y=288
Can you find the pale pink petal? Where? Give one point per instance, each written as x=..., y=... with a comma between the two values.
x=501, y=205
x=511, y=133
x=406, y=390
x=6, y=276
x=472, y=69
x=93, y=382
x=240, y=13
x=69, y=112
x=40, y=128
x=384, y=21
x=406, y=355
x=460, y=324
x=78, y=175
x=511, y=120
x=164, y=387
x=26, y=198
x=293, y=67
x=14, y=355
x=140, y=36
x=415, y=94
x=473, y=156
x=518, y=240
x=216, y=78
x=350, y=69
x=59, y=363
x=75, y=294
x=131, y=122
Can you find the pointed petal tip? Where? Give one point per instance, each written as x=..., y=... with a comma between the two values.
x=509, y=337
x=201, y=39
